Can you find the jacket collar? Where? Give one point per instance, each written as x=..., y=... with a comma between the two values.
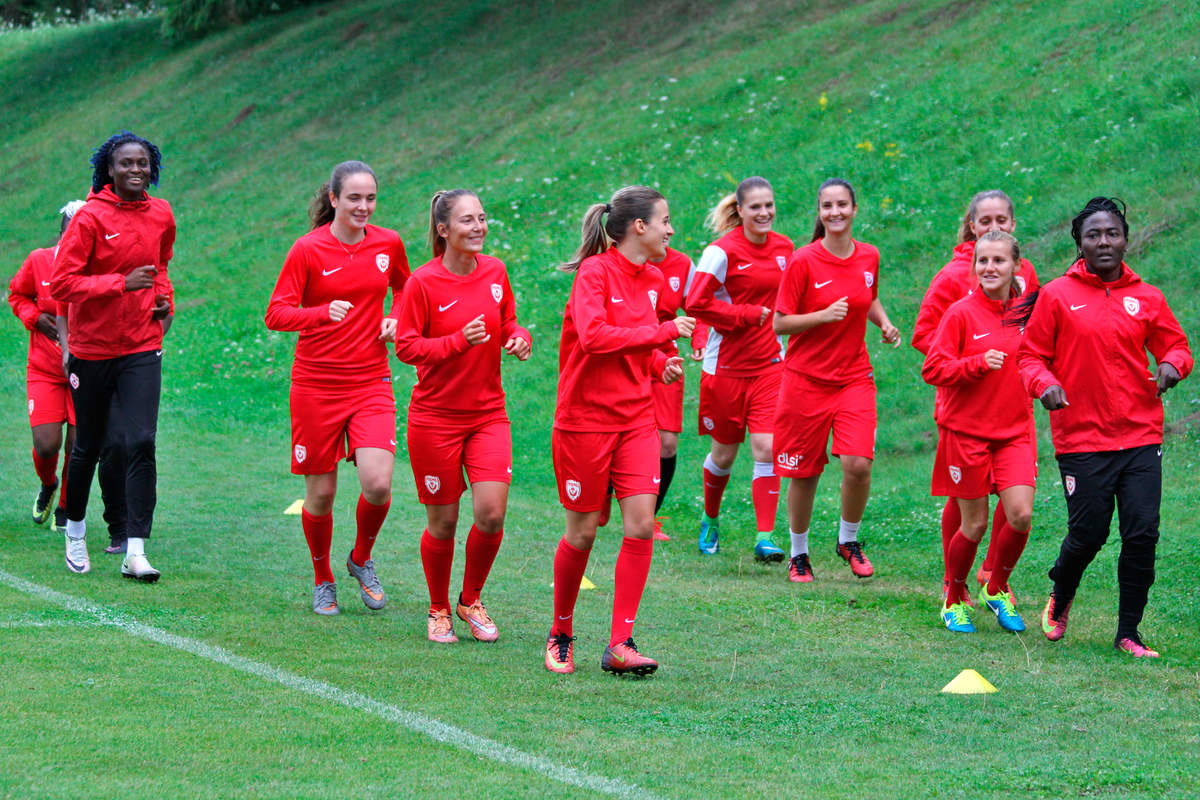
x=1079, y=271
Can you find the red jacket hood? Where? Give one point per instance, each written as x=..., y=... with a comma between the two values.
x=1079, y=271
x=109, y=196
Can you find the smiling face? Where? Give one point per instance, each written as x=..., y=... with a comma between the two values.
x=836, y=210
x=995, y=267
x=656, y=232
x=1102, y=242
x=467, y=226
x=129, y=168
x=352, y=209
x=992, y=214
x=757, y=211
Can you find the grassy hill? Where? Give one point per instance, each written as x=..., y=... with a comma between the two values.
x=544, y=109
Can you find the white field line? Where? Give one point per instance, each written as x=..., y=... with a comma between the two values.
x=418, y=723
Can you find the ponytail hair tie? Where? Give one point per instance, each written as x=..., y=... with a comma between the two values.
x=607, y=208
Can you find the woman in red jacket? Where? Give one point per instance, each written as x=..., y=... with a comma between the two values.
x=111, y=271
x=457, y=316
x=331, y=289
x=985, y=431
x=828, y=293
x=735, y=286
x=604, y=424
x=1084, y=356
x=990, y=210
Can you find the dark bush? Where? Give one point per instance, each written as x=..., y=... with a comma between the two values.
x=189, y=18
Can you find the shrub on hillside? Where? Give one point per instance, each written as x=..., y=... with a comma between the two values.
x=187, y=18
x=24, y=13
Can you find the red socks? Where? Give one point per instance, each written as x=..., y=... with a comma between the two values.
x=481, y=553
x=45, y=468
x=958, y=563
x=629, y=580
x=765, y=492
x=569, y=565
x=714, y=490
x=951, y=522
x=370, y=519
x=999, y=522
x=436, y=557
x=318, y=531
x=1010, y=544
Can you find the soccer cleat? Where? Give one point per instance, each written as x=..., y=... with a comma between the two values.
x=1133, y=645
x=852, y=554
x=43, y=504
x=710, y=533
x=624, y=659
x=1055, y=628
x=139, y=569
x=800, y=569
x=982, y=576
x=115, y=546
x=766, y=550
x=77, y=555
x=957, y=618
x=441, y=627
x=325, y=599
x=368, y=584
x=475, y=615
x=560, y=653
x=60, y=519
x=1003, y=607
x=659, y=535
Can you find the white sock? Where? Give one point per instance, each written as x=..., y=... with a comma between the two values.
x=847, y=531
x=764, y=469
x=712, y=467
x=76, y=529
x=135, y=546
x=799, y=543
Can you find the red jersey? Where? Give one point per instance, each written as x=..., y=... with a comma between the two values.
x=677, y=270
x=833, y=352
x=1091, y=338
x=734, y=280
x=320, y=269
x=456, y=382
x=953, y=282
x=610, y=344
x=974, y=399
x=106, y=240
x=29, y=296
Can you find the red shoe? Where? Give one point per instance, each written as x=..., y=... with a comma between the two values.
x=983, y=576
x=560, y=654
x=659, y=536
x=1055, y=628
x=800, y=569
x=852, y=554
x=1133, y=645
x=624, y=659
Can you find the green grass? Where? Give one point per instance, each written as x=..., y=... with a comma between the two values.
x=766, y=689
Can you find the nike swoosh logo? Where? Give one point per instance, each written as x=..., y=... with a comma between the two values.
x=978, y=336
x=1076, y=308
x=448, y=305
x=393, y=442
x=618, y=299
x=158, y=353
x=45, y=283
x=108, y=236
x=328, y=272
x=628, y=621
x=509, y=470
x=744, y=266
x=619, y=658
x=568, y=616
x=658, y=480
x=823, y=283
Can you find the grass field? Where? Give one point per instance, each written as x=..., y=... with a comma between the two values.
x=219, y=682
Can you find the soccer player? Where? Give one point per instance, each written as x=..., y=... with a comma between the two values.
x=985, y=431
x=457, y=316
x=111, y=270
x=990, y=210
x=331, y=289
x=734, y=290
x=829, y=291
x=1084, y=356
x=604, y=424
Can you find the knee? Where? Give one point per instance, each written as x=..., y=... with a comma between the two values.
x=973, y=530
x=139, y=448
x=490, y=518
x=723, y=459
x=1020, y=519
x=856, y=469
x=45, y=448
x=377, y=490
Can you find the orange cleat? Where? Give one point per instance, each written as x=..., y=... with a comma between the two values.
x=441, y=627
x=560, y=654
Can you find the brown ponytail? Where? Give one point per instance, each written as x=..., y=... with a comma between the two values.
x=627, y=205
x=439, y=214
x=320, y=210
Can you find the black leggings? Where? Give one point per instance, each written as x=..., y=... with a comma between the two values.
x=1092, y=481
x=116, y=401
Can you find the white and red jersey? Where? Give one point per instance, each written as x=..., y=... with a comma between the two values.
x=678, y=271
x=952, y=283
x=975, y=399
x=106, y=240
x=29, y=296
x=320, y=269
x=833, y=352
x=1091, y=338
x=734, y=281
x=611, y=340
x=456, y=382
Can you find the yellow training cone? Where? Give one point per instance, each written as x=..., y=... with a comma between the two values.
x=586, y=584
x=294, y=509
x=968, y=682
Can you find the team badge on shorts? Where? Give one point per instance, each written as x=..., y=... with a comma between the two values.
x=573, y=489
x=31, y=406
x=301, y=453
x=382, y=261
x=73, y=380
x=1132, y=306
x=869, y=278
x=653, y=297
x=781, y=261
x=673, y=282
x=433, y=483
x=707, y=422
x=1069, y=483
x=497, y=292
x=955, y=474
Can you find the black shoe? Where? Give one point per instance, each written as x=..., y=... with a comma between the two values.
x=60, y=519
x=44, y=504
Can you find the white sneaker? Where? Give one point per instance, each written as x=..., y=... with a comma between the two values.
x=77, y=555
x=138, y=568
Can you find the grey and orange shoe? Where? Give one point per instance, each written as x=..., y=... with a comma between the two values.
x=325, y=599
x=372, y=593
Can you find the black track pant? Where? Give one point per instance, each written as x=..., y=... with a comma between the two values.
x=1092, y=482
x=116, y=399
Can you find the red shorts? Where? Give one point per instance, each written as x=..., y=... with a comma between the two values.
x=668, y=405
x=325, y=419
x=49, y=401
x=585, y=463
x=731, y=406
x=439, y=455
x=809, y=411
x=969, y=467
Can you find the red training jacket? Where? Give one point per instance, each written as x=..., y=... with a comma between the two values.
x=677, y=270
x=29, y=296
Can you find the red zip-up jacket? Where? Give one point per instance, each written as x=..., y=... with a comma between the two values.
x=974, y=399
x=610, y=343
x=29, y=296
x=1091, y=338
x=105, y=241
x=678, y=271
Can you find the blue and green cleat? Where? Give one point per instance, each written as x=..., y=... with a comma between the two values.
x=710, y=531
x=766, y=550
x=1001, y=604
x=957, y=618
